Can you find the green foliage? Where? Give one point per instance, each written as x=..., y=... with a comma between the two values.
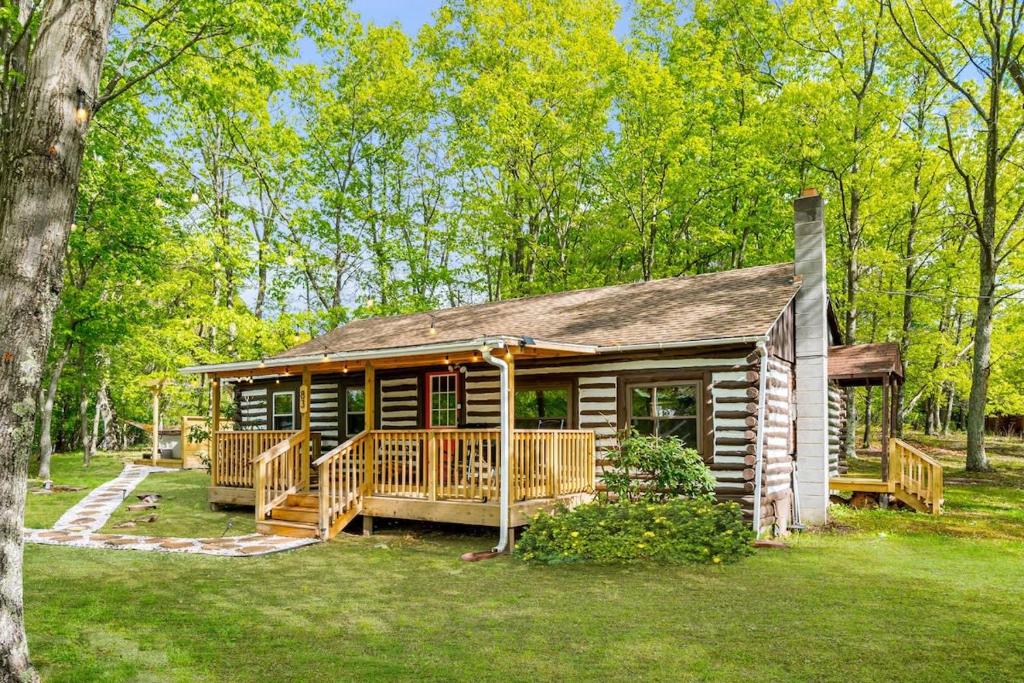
x=654, y=469
x=289, y=167
x=679, y=531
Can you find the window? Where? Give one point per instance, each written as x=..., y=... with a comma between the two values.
x=665, y=409
x=443, y=400
x=546, y=408
x=284, y=410
x=355, y=410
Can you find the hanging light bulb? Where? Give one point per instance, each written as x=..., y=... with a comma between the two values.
x=158, y=202
x=194, y=198
x=81, y=111
x=433, y=330
x=289, y=260
x=74, y=226
x=344, y=368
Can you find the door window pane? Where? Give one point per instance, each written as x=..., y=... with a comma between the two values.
x=444, y=400
x=283, y=403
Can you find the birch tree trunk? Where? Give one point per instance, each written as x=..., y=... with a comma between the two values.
x=42, y=143
x=46, y=418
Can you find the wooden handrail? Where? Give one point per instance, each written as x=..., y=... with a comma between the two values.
x=342, y=476
x=916, y=474
x=278, y=471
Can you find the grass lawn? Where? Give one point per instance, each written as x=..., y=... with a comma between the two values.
x=184, y=510
x=43, y=509
x=883, y=595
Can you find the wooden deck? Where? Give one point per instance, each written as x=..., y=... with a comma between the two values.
x=430, y=475
x=915, y=479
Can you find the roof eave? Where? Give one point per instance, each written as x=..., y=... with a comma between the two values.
x=495, y=341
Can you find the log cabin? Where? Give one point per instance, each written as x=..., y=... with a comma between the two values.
x=422, y=416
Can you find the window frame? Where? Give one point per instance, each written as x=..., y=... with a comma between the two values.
x=700, y=382
x=273, y=408
x=567, y=385
x=344, y=412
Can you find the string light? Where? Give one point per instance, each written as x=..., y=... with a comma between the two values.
x=81, y=111
x=195, y=197
x=344, y=368
x=158, y=202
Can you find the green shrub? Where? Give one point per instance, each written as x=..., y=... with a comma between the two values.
x=679, y=531
x=654, y=469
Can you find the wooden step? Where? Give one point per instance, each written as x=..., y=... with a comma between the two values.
x=292, y=513
x=280, y=527
x=303, y=500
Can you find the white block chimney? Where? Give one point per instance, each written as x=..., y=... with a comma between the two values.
x=811, y=359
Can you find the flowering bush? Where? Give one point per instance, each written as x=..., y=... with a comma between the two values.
x=656, y=469
x=678, y=531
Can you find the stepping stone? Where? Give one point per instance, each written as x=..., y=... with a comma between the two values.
x=122, y=542
x=174, y=545
x=256, y=549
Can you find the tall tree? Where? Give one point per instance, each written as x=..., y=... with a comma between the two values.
x=976, y=48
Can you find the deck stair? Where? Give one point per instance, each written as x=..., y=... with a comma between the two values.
x=297, y=516
x=288, y=503
x=915, y=479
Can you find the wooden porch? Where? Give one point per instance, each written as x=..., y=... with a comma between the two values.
x=908, y=475
x=430, y=475
x=913, y=478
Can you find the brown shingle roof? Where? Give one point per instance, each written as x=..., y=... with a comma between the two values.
x=858, y=361
x=734, y=303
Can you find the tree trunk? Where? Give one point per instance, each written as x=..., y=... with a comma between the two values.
x=42, y=144
x=109, y=440
x=85, y=438
x=46, y=416
x=950, y=401
x=977, y=461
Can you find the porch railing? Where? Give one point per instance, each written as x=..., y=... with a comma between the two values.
x=341, y=473
x=465, y=463
x=279, y=471
x=916, y=474
x=235, y=453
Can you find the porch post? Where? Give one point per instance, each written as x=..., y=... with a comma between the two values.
x=370, y=405
x=214, y=427
x=885, y=428
x=370, y=421
x=307, y=385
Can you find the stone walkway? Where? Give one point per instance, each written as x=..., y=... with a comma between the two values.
x=79, y=526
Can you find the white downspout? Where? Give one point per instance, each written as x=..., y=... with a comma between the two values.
x=759, y=447
x=504, y=449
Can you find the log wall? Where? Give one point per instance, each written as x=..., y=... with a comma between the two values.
x=836, y=430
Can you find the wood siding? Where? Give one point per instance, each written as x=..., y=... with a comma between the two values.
x=836, y=430
x=400, y=406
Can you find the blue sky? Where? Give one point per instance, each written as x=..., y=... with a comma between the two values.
x=411, y=14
